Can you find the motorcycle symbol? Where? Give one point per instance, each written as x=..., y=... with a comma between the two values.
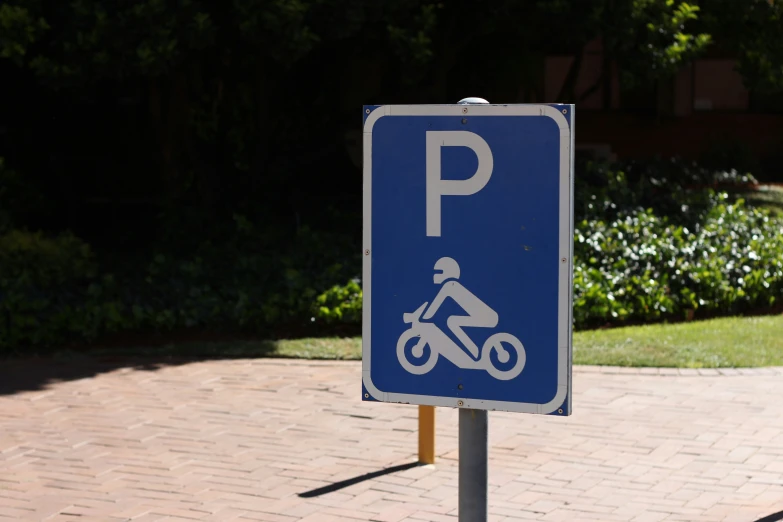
x=428, y=334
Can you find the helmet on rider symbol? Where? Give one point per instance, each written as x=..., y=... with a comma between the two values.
x=446, y=268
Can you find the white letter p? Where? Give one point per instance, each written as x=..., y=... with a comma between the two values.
x=437, y=187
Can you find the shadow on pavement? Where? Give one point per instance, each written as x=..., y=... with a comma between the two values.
x=21, y=375
x=21, y=372
x=37, y=373
x=361, y=478
x=774, y=517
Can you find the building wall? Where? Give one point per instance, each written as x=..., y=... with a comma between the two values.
x=557, y=68
x=626, y=135
x=708, y=104
x=717, y=86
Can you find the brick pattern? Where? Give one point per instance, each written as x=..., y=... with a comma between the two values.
x=240, y=440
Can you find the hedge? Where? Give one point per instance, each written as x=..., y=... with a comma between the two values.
x=640, y=266
x=52, y=291
x=651, y=243
x=646, y=249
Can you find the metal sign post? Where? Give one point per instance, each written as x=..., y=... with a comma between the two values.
x=473, y=448
x=473, y=458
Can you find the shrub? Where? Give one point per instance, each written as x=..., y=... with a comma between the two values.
x=341, y=303
x=251, y=281
x=51, y=291
x=707, y=254
x=43, y=285
x=728, y=152
x=673, y=188
x=646, y=249
x=641, y=266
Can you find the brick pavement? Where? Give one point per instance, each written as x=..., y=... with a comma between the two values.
x=244, y=439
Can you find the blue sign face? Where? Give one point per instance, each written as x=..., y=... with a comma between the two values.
x=467, y=256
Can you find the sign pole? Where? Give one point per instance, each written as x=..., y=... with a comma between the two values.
x=473, y=447
x=427, y=434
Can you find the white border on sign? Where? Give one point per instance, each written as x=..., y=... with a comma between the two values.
x=566, y=235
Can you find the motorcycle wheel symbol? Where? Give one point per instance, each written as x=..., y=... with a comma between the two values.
x=419, y=365
x=495, y=342
x=419, y=362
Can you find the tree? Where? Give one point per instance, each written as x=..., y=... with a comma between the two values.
x=750, y=30
x=215, y=77
x=245, y=102
x=648, y=40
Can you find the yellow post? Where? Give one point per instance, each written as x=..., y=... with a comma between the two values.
x=427, y=434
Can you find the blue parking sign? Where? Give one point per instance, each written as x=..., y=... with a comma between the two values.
x=468, y=240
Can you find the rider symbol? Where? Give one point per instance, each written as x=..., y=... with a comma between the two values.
x=479, y=314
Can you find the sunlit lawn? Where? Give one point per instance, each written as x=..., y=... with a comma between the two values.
x=717, y=343
x=768, y=196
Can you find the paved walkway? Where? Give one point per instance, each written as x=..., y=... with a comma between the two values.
x=256, y=439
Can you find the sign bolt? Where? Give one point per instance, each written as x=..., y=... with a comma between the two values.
x=367, y=252
x=460, y=403
x=564, y=260
x=367, y=111
x=367, y=396
x=565, y=111
x=464, y=110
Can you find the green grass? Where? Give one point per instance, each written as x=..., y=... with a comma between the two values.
x=767, y=196
x=735, y=342
x=330, y=348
